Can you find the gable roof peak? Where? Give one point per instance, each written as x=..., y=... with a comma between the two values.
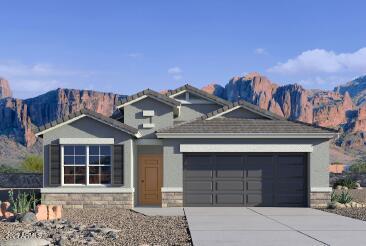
x=199, y=92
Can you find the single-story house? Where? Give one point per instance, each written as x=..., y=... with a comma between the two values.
x=185, y=147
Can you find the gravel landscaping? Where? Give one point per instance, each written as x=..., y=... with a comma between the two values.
x=103, y=227
x=356, y=213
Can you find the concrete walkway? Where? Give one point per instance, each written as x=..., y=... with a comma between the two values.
x=272, y=226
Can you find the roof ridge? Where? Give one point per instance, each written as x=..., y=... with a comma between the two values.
x=148, y=92
x=199, y=92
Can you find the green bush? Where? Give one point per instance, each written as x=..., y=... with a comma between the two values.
x=359, y=167
x=33, y=163
x=344, y=197
x=8, y=169
x=23, y=202
x=334, y=197
x=347, y=182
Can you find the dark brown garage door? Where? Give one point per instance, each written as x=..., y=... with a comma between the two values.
x=245, y=180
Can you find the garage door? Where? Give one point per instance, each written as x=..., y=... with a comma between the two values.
x=245, y=180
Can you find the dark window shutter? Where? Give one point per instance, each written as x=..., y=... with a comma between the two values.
x=118, y=165
x=55, y=165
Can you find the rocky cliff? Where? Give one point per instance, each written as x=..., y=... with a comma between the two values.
x=17, y=116
x=4, y=88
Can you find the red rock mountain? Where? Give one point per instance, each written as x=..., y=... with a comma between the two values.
x=4, y=88
x=17, y=116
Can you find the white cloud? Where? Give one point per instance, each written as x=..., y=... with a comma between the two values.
x=176, y=73
x=27, y=80
x=31, y=86
x=260, y=51
x=135, y=55
x=13, y=68
x=319, y=61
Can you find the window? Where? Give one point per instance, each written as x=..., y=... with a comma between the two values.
x=74, y=164
x=87, y=164
x=100, y=164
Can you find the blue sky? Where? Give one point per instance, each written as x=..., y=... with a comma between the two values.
x=126, y=46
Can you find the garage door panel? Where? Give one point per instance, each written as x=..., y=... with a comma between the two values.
x=230, y=199
x=254, y=200
x=199, y=186
x=198, y=167
x=229, y=166
x=291, y=172
x=290, y=186
x=260, y=185
x=259, y=167
x=290, y=200
x=199, y=199
x=230, y=185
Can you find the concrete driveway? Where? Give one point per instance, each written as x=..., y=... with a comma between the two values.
x=272, y=226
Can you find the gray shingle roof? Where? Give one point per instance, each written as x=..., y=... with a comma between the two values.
x=246, y=105
x=97, y=116
x=200, y=93
x=150, y=93
x=243, y=126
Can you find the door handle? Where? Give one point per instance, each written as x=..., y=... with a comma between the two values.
x=142, y=181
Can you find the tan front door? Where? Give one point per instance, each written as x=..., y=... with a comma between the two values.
x=150, y=179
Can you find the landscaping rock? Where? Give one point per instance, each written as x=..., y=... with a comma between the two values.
x=340, y=205
x=5, y=207
x=28, y=218
x=339, y=187
x=22, y=242
x=102, y=227
x=41, y=212
x=8, y=215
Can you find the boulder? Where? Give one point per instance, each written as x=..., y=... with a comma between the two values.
x=5, y=207
x=54, y=212
x=353, y=204
x=28, y=217
x=28, y=242
x=339, y=205
x=339, y=187
x=8, y=215
x=41, y=212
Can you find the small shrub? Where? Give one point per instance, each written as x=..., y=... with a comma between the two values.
x=359, y=167
x=23, y=202
x=334, y=197
x=344, y=197
x=33, y=163
x=8, y=169
x=347, y=182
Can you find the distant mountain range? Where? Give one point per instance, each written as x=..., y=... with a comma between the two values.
x=343, y=108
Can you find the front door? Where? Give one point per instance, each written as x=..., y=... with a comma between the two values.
x=150, y=179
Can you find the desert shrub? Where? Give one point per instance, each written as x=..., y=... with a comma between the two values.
x=347, y=182
x=359, y=167
x=23, y=202
x=344, y=197
x=33, y=163
x=8, y=169
x=334, y=197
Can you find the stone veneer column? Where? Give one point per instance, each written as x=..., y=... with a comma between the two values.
x=89, y=200
x=319, y=199
x=172, y=199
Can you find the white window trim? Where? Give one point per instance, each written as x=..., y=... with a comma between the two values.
x=87, y=169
